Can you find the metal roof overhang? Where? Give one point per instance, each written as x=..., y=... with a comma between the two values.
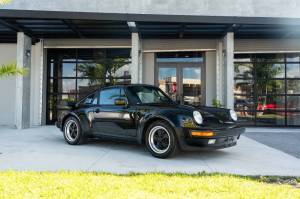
x=52, y=24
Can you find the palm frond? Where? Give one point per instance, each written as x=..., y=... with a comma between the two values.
x=3, y=2
x=11, y=70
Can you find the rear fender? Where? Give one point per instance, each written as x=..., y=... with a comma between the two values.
x=69, y=114
x=83, y=120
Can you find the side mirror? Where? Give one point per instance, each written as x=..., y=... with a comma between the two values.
x=120, y=102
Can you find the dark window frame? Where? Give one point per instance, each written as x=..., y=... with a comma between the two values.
x=73, y=56
x=253, y=61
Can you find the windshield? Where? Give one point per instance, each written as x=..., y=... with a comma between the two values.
x=148, y=95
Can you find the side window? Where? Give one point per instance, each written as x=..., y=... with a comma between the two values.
x=108, y=96
x=90, y=100
x=123, y=95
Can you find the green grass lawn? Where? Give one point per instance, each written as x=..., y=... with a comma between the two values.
x=101, y=185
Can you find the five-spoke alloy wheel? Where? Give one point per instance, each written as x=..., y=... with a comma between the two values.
x=72, y=131
x=160, y=140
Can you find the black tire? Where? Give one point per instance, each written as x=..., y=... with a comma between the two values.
x=159, y=148
x=75, y=139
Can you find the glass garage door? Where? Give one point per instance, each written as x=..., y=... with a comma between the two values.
x=267, y=89
x=74, y=73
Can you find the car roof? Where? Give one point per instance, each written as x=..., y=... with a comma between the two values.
x=115, y=86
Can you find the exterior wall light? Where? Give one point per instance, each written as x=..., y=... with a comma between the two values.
x=28, y=53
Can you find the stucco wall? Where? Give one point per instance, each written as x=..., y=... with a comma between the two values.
x=8, y=53
x=267, y=45
x=36, y=84
x=154, y=45
x=148, y=68
x=248, y=8
x=209, y=92
x=87, y=43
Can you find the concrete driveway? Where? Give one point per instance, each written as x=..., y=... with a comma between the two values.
x=286, y=140
x=44, y=149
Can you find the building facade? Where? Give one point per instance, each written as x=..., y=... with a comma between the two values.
x=244, y=55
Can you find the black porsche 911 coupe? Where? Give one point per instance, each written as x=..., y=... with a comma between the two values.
x=145, y=114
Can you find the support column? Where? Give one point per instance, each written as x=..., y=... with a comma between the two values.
x=36, y=84
x=149, y=68
x=22, y=109
x=43, y=91
x=136, y=59
x=220, y=73
x=209, y=78
x=229, y=69
x=141, y=61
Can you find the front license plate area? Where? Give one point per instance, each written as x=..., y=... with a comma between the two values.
x=230, y=139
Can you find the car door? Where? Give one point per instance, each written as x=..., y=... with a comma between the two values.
x=111, y=119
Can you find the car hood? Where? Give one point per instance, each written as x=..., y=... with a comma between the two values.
x=208, y=113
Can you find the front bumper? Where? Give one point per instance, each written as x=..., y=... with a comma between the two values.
x=223, y=138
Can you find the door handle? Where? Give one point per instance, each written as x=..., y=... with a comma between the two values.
x=97, y=110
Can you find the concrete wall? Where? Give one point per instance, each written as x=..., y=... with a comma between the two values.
x=267, y=45
x=149, y=68
x=154, y=45
x=210, y=77
x=23, y=83
x=87, y=43
x=8, y=86
x=249, y=8
x=36, y=84
x=8, y=54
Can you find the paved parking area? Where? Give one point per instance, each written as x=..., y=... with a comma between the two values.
x=43, y=149
x=286, y=140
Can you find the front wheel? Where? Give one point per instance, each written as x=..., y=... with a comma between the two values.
x=161, y=140
x=73, y=132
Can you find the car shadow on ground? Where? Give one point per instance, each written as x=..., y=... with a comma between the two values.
x=133, y=149
x=140, y=150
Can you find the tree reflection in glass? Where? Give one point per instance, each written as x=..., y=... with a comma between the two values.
x=265, y=74
x=104, y=73
x=244, y=70
x=275, y=91
x=266, y=84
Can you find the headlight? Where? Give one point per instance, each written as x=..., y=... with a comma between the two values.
x=233, y=115
x=198, y=117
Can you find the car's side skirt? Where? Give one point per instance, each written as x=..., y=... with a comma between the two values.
x=115, y=137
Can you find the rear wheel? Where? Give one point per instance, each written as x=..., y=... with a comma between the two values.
x=72, y=131
x=160, y=140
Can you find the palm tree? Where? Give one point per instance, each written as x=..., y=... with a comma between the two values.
x=11, y=70
x=2, y=2
x=101, y=72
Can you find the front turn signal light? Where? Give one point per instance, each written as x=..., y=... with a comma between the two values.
x=202, y=133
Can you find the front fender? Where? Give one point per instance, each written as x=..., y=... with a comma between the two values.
x=174, y=120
